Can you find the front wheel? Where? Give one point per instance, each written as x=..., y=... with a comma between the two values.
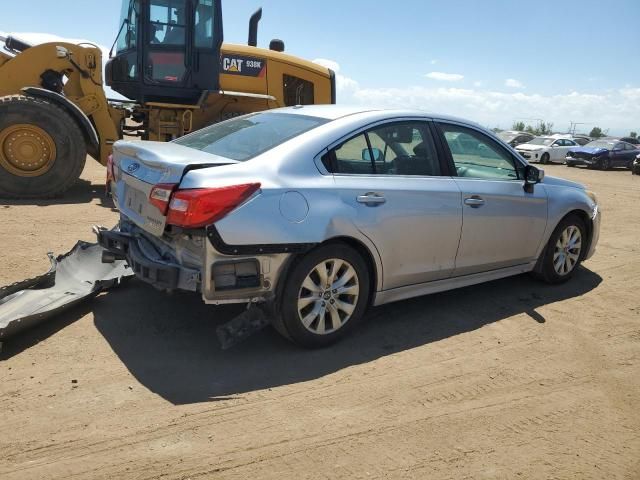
x=605, y=164
x=325, y=295
x=564, y=251
x=42, y=150
x=544, y=159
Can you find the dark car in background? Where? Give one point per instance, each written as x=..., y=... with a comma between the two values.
x=603, y=154
x=580, y=140
x=631, y=140
x=515, y=138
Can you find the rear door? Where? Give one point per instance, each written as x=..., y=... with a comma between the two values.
x=502, y=224
x=402, y=200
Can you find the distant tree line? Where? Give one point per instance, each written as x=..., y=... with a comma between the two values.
x=543, y=128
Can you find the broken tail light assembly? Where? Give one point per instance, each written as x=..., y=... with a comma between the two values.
x=199, y=207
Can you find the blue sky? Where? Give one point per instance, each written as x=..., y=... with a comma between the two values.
x=493, y=61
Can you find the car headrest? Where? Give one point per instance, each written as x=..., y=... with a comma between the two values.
x=399, y=134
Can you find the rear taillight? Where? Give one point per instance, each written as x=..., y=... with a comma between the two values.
x=160, y=196
x=200, y=207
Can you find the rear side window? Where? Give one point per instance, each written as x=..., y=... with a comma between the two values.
x=297, y=91
x=246, y=137
x=400, y=148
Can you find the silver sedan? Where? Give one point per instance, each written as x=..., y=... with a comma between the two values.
x=322, y=211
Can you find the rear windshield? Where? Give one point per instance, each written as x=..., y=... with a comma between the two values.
x=245, y=137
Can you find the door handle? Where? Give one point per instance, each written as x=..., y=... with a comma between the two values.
x=474, y=202
x=371, y=199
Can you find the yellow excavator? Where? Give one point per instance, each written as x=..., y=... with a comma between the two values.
x=172, y=67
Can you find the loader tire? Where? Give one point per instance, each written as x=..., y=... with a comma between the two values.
x=42, y=150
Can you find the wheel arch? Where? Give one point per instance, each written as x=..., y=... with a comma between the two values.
x=86, y=127
x=588, y=222
x=374, y=275
x=374, y=268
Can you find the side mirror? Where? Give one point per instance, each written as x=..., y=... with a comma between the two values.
x=366, y=155
x=532, y=175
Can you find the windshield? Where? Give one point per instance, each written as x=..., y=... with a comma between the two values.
x=600, y=144
x=245, y=137
x=542, y=141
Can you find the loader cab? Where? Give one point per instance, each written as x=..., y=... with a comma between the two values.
x=167, y=50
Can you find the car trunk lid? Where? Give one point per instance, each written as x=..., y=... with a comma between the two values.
x=139, y=166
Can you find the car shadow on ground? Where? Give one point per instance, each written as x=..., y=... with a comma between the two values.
x=169, y=343
x=82, y=192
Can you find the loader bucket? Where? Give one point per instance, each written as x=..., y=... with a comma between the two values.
x=73, y=277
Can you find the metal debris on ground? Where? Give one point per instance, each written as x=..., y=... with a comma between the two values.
x=72, y=277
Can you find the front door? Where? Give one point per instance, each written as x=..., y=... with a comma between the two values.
x=503, y=225
x=391, y=176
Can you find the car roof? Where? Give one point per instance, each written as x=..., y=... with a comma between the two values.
x=334, y=112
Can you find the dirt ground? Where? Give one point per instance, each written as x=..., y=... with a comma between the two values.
x=510, y=379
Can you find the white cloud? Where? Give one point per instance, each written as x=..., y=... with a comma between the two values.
x=445, y=77
x=36, y=38
x=513, y=83
x=344, y=85
x=477, y=84
x=433, y=62
x=614, y=109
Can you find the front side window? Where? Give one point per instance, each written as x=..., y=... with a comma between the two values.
x=168, y=22
x=246, y=137
x=400, y=148
x=475, y=155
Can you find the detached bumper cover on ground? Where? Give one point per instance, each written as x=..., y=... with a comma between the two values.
x=73, y=277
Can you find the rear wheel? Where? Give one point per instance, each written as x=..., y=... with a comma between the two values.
x=564, y=251
x=42, y=150
x=325, y=296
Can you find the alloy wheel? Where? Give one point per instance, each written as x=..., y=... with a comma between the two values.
x=328, y=296
x=567, y=250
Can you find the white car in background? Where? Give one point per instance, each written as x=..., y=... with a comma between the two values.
x=546, y=149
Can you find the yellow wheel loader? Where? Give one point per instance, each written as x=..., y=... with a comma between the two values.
x=174, y=70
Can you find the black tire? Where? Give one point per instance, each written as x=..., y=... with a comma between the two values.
x=289, y=322
x=605, y=163
x=544, y=159
x=570, y=164
x=545, y=269
x=71, y=150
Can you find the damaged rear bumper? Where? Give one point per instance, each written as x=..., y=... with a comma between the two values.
x=146, y=262
x=72, y=277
